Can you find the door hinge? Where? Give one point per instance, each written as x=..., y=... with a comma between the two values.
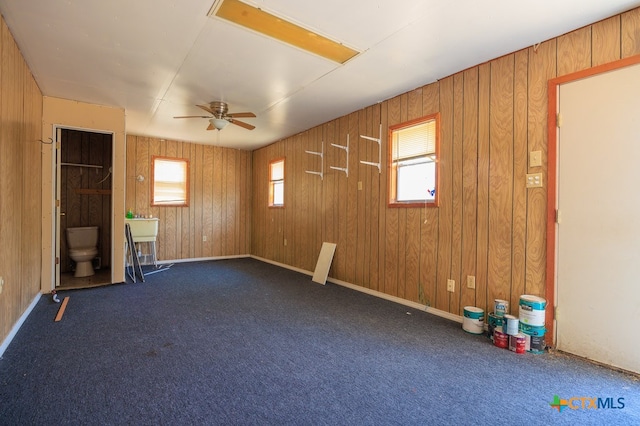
x=57, y=203
x=558, y=216
x=558, y=120
x=57, y=145
x=57, y=260
x=555, y=312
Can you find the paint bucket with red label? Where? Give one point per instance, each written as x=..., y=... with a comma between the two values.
x=500, y=339
x=517, y=343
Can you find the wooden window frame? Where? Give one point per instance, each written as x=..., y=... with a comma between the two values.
x=155, y=203
x=392, y=168
x=272, y=181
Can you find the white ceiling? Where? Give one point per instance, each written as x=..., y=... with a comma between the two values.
x=158, y=58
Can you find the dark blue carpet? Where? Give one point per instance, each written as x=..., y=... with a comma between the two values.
x=241, y=342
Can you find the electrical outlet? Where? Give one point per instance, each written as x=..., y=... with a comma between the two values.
x=204, y=238
x=285, y=241
x=451, y=285
x=359, y=185
x=1, y=284
x=471, y=281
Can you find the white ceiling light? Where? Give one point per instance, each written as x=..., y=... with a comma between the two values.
x=218, y=123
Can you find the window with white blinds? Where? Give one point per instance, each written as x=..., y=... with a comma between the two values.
x=414, y=166
x=414, y=141
x=276, y=183
x=170, y=185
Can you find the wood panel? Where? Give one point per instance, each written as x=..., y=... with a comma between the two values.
x=445, y=210
x=542, y=66
x=574, y=51
x=606, y=44
x=391, y=217
x=520, y=169
x=469, y=156
x=501, y=178
x=482, y=258
x=457, y=192
x=20, y=183
x=216, y=192
x=630, y=33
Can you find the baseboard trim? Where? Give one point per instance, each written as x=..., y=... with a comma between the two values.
x=202, y=259
x=408, y=303
x=18, y=324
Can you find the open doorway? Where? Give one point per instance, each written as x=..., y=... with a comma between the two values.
x=84, y=190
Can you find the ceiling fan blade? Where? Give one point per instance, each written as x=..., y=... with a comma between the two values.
x=210, y=127
x=193, y=116
x=206, y=108
x=241, y=115
x=242, y=124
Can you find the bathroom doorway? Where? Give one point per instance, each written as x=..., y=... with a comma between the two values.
x=84, y=164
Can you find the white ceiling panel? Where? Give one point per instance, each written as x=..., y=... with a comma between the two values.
x=159, y=58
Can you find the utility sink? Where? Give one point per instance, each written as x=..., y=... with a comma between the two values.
x=143, y=230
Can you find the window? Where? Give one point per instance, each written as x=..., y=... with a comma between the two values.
x=170, y=181
x=413, y=154
x=276, y=183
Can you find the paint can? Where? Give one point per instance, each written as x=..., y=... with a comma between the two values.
x=510, y=325
x=473, y=321
x=500, y=307
x=532, y=330
x=517, y=343
x=500, y=339
x=534, y=344
x=493, y=321
x=532, y=310
x=534, y=336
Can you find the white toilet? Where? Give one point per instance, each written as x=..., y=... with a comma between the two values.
x=83, y=248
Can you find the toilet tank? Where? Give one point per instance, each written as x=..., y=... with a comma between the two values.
x=84, y=236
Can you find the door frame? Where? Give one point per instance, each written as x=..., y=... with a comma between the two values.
x=551, y=285
x=55, y=223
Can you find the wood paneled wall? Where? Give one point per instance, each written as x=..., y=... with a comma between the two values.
x=219, y=199
x=20, y=181
x=488, y=224
x=85, y=196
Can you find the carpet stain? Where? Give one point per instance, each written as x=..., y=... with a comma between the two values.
x=152, y=353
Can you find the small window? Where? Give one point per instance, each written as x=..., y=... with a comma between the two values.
x=170, y=185
x=276, y=183
x=413, y=154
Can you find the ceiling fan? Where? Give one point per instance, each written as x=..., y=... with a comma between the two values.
x=220, y=116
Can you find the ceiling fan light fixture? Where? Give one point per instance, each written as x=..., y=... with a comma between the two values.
x=218, y=123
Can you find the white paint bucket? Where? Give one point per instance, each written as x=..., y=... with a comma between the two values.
x=511, y=325
x=473, y=321
x=532, y=310
x=500, y=307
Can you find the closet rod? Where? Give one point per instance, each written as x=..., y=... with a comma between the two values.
x=90, y=166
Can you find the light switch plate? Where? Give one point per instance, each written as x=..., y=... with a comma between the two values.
x=535, y=159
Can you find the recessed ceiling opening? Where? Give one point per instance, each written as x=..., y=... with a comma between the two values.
x=270, y=25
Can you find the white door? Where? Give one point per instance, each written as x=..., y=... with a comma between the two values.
x=598, y=263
